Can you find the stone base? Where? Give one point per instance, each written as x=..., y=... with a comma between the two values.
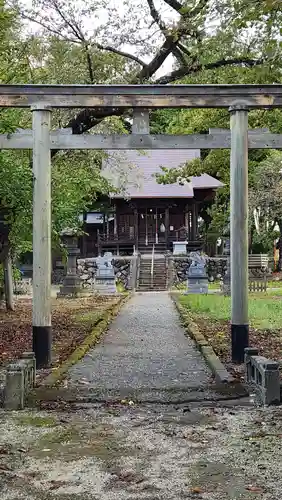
x=105, y=287
x=69, y=292
x=226, y=287
x=179, y=247
x=197, y=290
x=197, y=286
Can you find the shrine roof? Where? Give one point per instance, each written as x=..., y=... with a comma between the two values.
x=134, y=173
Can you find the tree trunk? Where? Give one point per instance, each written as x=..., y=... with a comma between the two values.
x=279, y=263
x=8, y=282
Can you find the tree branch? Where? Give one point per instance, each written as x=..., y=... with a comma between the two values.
x=73, y=27
x=89, y=62
x=179, y=56
x=175, y=5
x=188, y=70
x=157, y=19
x=88, y=118
x=52, y=30
x=121, y=53
x=156, y=16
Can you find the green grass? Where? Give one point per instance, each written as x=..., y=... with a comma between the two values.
x=264, y=312
x=274, y=284
x=36, y=421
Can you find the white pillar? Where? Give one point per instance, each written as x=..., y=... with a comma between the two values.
x=239, y=231
x=42, y=335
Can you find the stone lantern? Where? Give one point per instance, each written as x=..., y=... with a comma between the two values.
x=72, y=283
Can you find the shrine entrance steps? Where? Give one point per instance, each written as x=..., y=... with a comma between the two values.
x=152, y=277
x=159, y=248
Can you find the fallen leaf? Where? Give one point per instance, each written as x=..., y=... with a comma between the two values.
x=196, y=490
x=255, y=489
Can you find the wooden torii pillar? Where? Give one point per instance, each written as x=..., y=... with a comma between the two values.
x=239, y=231
x=42, y=263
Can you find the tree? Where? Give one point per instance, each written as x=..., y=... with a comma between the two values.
x=97, y=42
x=266, y=200
x=198, y=36
x=76, y=179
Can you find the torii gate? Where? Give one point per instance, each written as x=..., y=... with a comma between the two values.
x=239, y=99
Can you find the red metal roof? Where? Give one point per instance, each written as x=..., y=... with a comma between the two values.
x=134, y=173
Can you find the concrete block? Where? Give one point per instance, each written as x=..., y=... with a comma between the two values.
x=264, y=375
x=14, y=390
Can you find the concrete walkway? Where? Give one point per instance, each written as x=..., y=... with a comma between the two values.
x=145, y=355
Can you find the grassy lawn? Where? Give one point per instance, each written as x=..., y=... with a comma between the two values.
x=215, y=285
x=265, y=311
x=72, y=321
x=212, y=314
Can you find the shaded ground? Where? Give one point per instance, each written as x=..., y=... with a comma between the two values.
x=141, y=453
x=212, y=315
x=72, y=320
x=145, y=355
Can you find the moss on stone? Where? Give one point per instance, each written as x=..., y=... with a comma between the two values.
x=36, y=421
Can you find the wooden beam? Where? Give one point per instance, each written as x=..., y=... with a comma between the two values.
x=60, y=140
x=142, y=96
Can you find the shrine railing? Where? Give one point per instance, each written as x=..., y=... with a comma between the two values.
x=121, y=236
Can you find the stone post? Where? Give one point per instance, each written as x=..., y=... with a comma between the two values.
x=14, y=390
x=71, y=287
x=226, y=285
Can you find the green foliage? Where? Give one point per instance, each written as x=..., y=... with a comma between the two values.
x=16, y=275
x=217, y=162
x=266, y=199
x=263, y=242
x=76, y=179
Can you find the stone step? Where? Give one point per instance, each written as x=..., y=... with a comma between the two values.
x=149, y=289
x=159, y=265
x=149, y=283
x=148, y=276
x=148, y=273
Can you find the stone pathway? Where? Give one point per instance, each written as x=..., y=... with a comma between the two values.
x=146, y=356
x=145, y=452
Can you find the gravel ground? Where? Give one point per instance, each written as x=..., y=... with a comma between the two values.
x=145, y=355
x=141, y=453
